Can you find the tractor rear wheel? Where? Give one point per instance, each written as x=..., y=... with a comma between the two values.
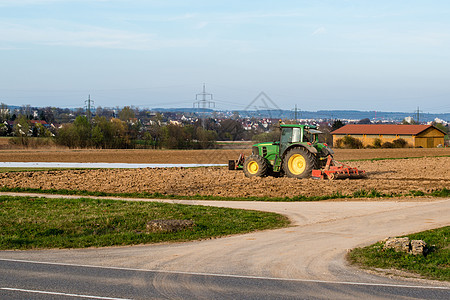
x=255, y=165
x=299, y=163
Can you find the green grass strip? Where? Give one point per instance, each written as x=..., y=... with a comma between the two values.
x=390, y=158
x=145, y=195
x=36, y=223
x=435, y=265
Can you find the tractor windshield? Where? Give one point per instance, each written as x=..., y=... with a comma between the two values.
x=286, y=135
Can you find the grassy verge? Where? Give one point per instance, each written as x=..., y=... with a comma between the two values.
x=33, y=223
x=355, y=195
x=435, y=265
x=390, y=158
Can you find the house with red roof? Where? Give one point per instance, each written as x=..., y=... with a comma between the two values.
x=34, y=122
x=424, y=136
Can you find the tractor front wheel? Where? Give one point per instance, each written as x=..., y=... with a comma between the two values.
x=299, y=163
x=255, y=165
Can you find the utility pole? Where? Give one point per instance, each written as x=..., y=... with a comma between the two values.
x=206, y=100
x=418, y=121
x=88, y=108
x=295, y=114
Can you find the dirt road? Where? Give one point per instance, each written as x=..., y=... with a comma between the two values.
x=313, y=248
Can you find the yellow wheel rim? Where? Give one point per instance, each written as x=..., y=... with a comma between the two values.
x=297, y=164
x=252, y=167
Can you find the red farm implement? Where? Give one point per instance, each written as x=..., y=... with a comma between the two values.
x=337, y=170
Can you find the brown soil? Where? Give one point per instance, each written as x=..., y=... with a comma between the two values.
x=386, y=176
x=122, y=156
x=188, y=156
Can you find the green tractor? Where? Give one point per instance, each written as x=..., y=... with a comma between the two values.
x=298, y=154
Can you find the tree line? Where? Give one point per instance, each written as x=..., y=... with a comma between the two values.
x=124, y=129
x=126, y=132
x=118, y=134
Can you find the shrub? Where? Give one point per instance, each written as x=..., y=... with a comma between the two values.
x=349, y=142
x=441, y=193
x=400, y=143
x=377, y=143
x=387, y=145
x=32, y=142
x=417, y=193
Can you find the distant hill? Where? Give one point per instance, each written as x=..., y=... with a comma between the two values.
x=321, y=114
x=184, y=110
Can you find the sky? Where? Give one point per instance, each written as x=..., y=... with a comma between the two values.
x=369, y=55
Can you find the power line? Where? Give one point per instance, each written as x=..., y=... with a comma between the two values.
x=206, y=100
x=88, y=108
x=418, y=114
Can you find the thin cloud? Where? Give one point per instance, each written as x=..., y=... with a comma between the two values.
x=201, y=25
x=8, y=48
x=10, y=3
x=86, y=36
x=320, y=30
x=277, y=15
x=246, y=16
x=414, y=39
x=183, y=17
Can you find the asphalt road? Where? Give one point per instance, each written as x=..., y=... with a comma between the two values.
x=30, y=280
x=304, y=261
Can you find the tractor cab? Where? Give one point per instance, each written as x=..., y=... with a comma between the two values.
x=299, y=134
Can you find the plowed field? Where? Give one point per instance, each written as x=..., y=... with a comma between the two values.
x=386, y=176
